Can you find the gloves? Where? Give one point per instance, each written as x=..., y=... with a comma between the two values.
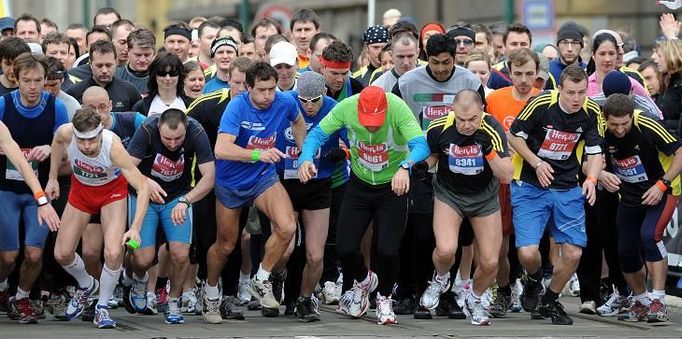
x=336, y=155
x=420, y=170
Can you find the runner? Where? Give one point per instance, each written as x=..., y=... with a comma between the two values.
x=31, y=116
x=545, y=135
x=382, y=128
x=164, y=149
x=643, y=163
x=313, y=199
x=102, y=170
x=245, y=174
x=466, y=186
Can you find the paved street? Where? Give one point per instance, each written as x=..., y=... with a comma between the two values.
x=335, y=325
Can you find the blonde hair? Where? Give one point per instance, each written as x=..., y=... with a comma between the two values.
x=476, y=55
x=671, y=50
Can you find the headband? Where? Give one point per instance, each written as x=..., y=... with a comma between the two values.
x=333, y=63
x=89, y=134
x=178, y=31
x=226, y=41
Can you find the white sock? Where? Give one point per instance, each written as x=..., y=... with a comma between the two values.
x=77, y=270
x=21, y=294
x=4, y=285
x=212, y=292
x=107, y=283
x=125, y=279
x=443, y=279
x=244, y=277
x=658, y=294
x=262, y=274
x=643, y=298
x=141, y=279
x=472, y=297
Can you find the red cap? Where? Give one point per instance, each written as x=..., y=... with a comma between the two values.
x=372, y=106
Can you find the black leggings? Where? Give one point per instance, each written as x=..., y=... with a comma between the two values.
x=363, y=203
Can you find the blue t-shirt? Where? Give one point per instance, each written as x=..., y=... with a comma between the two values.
x=288, y=167
x=214, y=85
x=254, y=129
x=61, y=115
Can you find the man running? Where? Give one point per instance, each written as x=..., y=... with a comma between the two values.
x=164, y=149
x=471, y=151
x=102, y=170
x=383, y=129
x=643, y=162
x=245, y=174
x=546, y=136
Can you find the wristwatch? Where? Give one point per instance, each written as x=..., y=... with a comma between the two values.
x=665, y=182
x=406, y=166
x=183, y=199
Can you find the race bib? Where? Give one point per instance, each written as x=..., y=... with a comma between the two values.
x=558, y=145
x=373, y=157
x=435, y=112
x=12, y=173
x=166, y=169
x=630, y=169
x=261, y=143
x=291, y=162
x=466, y=160
x=88, y=172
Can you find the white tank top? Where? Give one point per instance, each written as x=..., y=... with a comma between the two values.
x=97, y=171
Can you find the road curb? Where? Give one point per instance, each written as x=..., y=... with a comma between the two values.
x=673, y=301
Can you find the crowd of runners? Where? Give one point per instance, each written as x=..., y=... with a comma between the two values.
x=443, y=170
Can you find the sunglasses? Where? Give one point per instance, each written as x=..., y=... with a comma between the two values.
x=310, y=101
x=172, y=73
x=465, y=42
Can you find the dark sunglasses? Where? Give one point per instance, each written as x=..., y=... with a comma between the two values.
x=172, y=73
x=310, y=101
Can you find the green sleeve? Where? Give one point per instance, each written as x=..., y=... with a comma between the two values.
x=336, y=119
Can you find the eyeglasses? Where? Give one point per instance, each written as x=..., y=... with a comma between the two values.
x=310, y=101
x=172, y=73
x=465, y=42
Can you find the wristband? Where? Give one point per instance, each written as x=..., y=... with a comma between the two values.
x=592, y=179
x=661, y=186
x=255, y=155
x=491, y=155
x=40, y=198
x=132, y=244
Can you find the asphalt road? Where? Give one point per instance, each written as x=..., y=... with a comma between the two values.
x=335, y=325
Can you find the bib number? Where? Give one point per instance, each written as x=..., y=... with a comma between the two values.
x=558, y=145
x=466, y=160
x=373, y=157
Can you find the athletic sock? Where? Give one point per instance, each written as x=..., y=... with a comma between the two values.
x=244, y=277
x=143, y=278
x=643, y=298
x=504, y=290
x=536, y=277
x=125, y=279
x=161, y=282
x=108, y=281
x=550, y=297
x=658, y=294
x=262, y=274
x=212, y=292
x=21, y=294
x=77, y=270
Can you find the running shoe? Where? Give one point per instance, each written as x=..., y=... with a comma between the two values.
x=384, y=311
x=613, y=306
x=102, y=318
x=58, y=305
x=658, y=312
x=448, y=306
x=263, y=291
x=636, y=312
x=431, y=296
x=473, y=308
x=137, y=296
x=211, y=310
x=500, y=305
x=80, y=300
x=555, y=311
x=151, y=308
x=517, y=289
x=346, y=302
x=189, y=301
x=173, y=315
x=588, y=307
x=307, y=310
x=4, y=301
x=332, y=293
x=243, y=292
x=22, y=310
x=228, y=312
x=278, y=277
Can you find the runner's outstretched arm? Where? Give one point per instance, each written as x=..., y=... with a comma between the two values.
x=61, y=137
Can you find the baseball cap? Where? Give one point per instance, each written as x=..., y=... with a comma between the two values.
x=6, y=23
x=616, y=82
x=372, y=105
x=283, y=52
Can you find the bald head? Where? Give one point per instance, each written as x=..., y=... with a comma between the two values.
x=97, y=98
x=466, y=98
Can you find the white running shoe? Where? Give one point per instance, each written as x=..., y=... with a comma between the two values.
x=243, y=293
x=431, y=297
x=384, y=311
x=613, y=306
x=332, y=293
